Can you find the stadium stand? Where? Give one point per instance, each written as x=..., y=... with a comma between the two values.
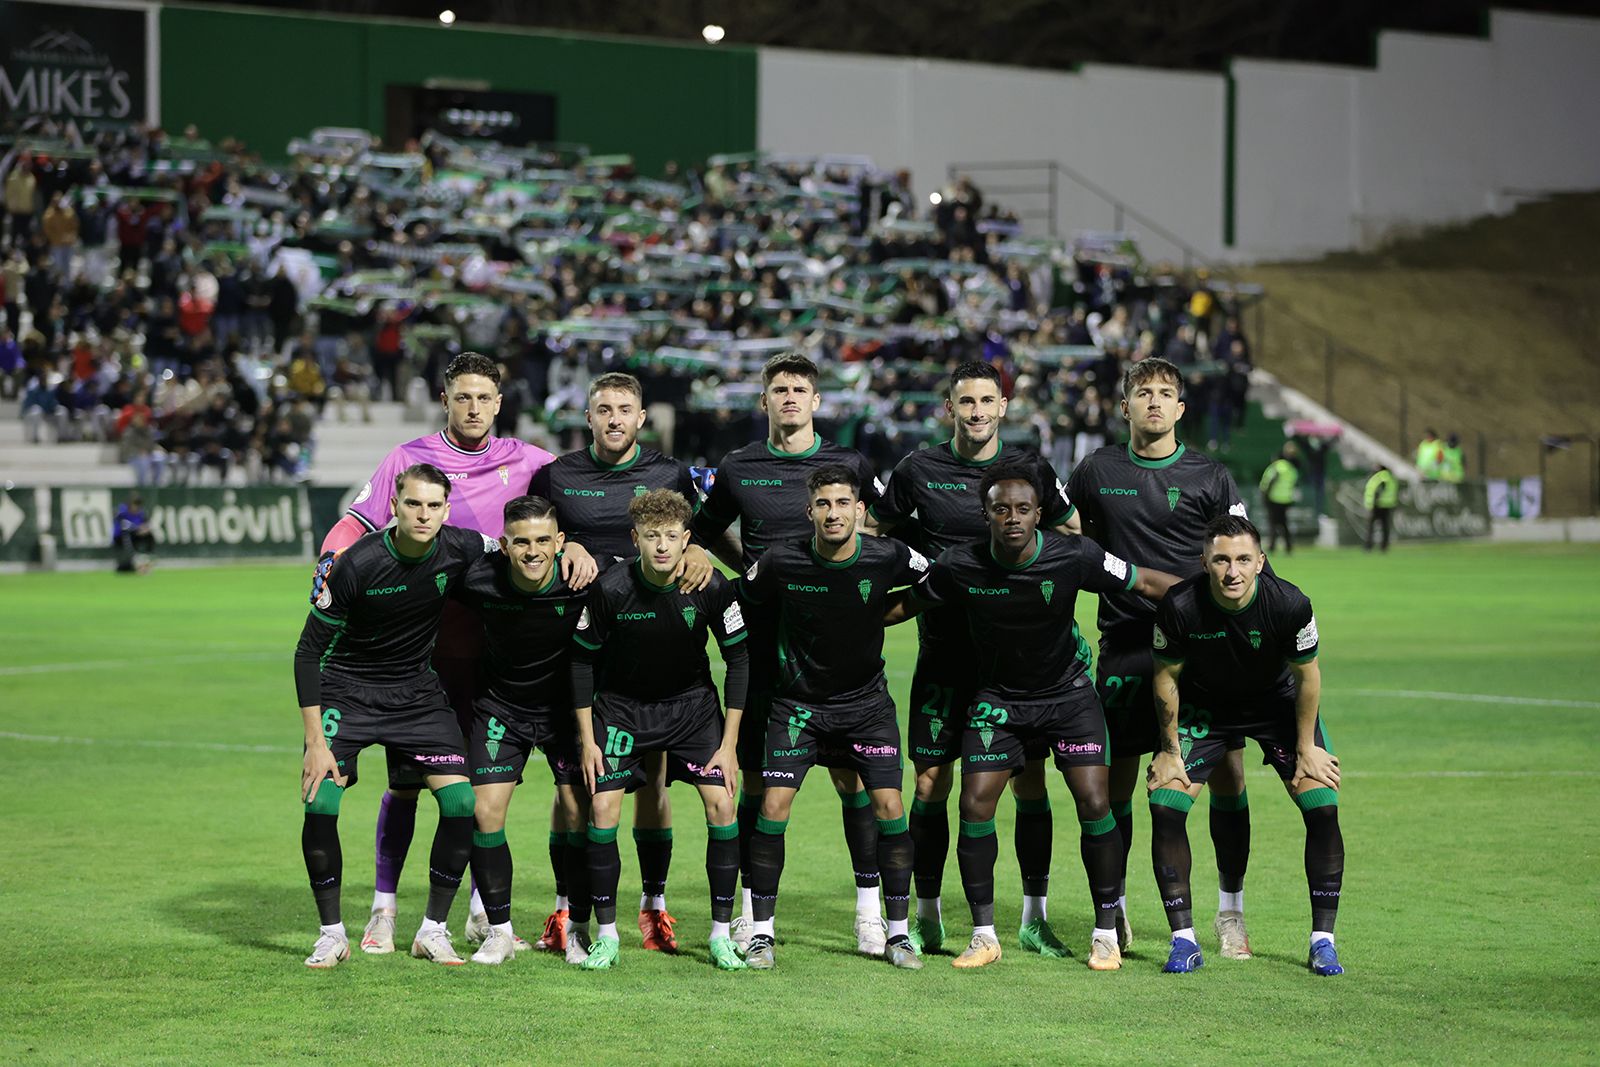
x=191, y=315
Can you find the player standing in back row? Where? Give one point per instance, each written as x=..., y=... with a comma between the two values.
x=763, y=487
x=933, y=496
x=591, y=489
x=1149, y=500
x=1236, y=655
x=485, y=473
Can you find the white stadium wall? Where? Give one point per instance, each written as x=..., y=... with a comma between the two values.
x=1324, y=158
x=1153, y=136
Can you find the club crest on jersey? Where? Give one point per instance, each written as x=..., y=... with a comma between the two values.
x=1048, y=588
x=505, y=474
x=864, y=587
x=640, y=490
x=985, y=734
x=936, y=727
x=1255, y=638
x=441, y=580
x=688, y=617
x=496, y=731
x=1173, y=493
x=561, y=609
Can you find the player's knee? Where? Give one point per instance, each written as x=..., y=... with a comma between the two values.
x=1322, y=802
x=606, y=810
x=775, y=805
x=933, y=784
x=719, y=808
x=326, y=802
x=455, y=801
x=886, y=805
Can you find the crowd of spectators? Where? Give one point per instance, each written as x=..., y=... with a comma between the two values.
x=202, y=311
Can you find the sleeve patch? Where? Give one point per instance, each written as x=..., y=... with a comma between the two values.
x=878, y=485
x=583, y=620
x=490, y=545
x=919, y=562
x=1307, y=637
x=1115, y=567
x=1158, y=639
x=732, y=619
x=1061, y=491
x=750, y=575
x=1239, y=510
x=363, y=496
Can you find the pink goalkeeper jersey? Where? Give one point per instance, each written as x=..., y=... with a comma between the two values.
x=481, y=482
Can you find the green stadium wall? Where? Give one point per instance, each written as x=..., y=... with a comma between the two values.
x=266, y=78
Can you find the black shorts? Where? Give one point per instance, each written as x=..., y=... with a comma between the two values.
x=1271, y=724
x=941, y=692
x=1001, y=731
x=503, y=738
x=686, y=729
x=862, y=735
x=413, y=723
x=1125, y=680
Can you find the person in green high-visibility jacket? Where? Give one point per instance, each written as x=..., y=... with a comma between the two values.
x=1380, y=497
x=1452, y=462
x=1278, y=485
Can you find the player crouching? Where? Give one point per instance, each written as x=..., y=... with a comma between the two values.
x=641, y=684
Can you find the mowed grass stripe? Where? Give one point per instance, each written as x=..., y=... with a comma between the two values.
x=158, y=893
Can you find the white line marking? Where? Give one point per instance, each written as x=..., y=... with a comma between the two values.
x=1468, y=698
x=199, y=746
x=119, y=664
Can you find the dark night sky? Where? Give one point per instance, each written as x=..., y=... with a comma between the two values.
x=1187, y=34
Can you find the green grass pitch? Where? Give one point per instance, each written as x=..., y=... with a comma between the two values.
x=156, y=909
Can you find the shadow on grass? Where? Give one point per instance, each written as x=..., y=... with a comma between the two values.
x=246, y=915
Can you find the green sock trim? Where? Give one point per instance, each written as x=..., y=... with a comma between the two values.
x=1106, y=824
x=328, y=797
x=923, y=807
x=558, y=837
x=977, y=829
x=729, y=832
x=1032, y=807
x=1318, y=798
x=1176, y=799
x=492, y=839
x=775, y=827
x=598, y=836
x=455, y=801
x=1125, y=809
x=857, y=799
x=1238, y=803
x=890, y=827
x=577, y=839
x=656, y=834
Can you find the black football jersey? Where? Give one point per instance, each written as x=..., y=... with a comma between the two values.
x=591, y=498
x=1233, y=660
x=1020, y=618
x=1153, y=512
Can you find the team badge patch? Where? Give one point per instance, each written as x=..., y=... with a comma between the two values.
x=919, y=562
x=733, y=619
x=365, y=494
x=496, y=730
x=505, y=474
x=1048, y=589
x=1239, y=510
x=640, y=490
x=688, y=617
x=1159, y=639
x=441, y=580
x=1116, y=567
x=864, y=586
x=1173, y=493
x=561, y=609
x=1307, y=637
x=1255, y=638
